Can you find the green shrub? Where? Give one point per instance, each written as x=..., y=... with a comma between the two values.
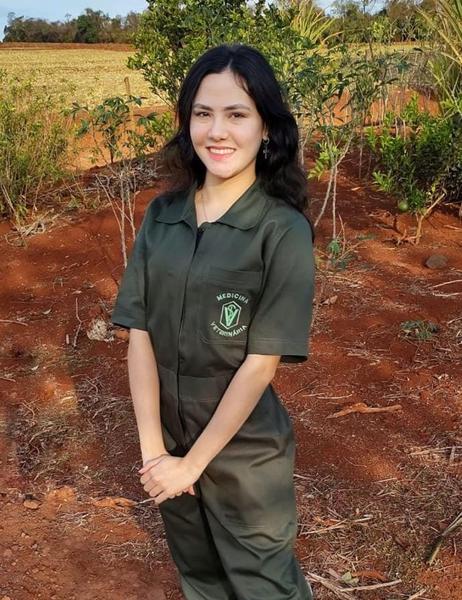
x=419, y=329
x=416, y=154
x=173, y=34
x=115, y=121
x=34, y=144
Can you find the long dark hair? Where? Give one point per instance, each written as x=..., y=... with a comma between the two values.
x=281, y=173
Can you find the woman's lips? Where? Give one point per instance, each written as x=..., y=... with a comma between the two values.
x=220, y=155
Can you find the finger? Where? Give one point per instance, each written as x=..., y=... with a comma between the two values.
x=160, y=498
x=147, y=477
x=155, y=490
x=153, y=468
x=151, y=463
x=145, y=467
x=150, y=485
x=150, y=474
x=148, y=481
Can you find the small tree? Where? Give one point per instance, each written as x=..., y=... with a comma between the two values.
x=419, y=159
x=124, y=139
x=173, y=34
x=89, y=26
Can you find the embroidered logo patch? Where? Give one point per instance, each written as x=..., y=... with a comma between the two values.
x=232, y=304
x=230, y=313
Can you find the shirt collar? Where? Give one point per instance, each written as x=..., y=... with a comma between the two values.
x=245, y=213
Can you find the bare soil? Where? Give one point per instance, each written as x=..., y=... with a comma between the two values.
x=374, y=489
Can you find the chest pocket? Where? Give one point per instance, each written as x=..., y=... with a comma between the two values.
x=228, y=300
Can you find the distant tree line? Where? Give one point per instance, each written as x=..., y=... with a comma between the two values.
x=351, y=20
x=93, y=26
x=394, y=21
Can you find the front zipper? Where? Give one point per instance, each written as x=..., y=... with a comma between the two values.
x=199, y=234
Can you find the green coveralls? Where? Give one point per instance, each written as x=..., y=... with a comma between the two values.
x=209, y=296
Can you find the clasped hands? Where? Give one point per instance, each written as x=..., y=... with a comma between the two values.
x=167, y=476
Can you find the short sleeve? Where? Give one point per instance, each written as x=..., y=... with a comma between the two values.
x=130, y=305
x=281, y=323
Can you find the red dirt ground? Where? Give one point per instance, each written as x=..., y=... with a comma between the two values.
x=374, y=490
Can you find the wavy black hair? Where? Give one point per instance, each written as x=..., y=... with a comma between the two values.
x=281, y=173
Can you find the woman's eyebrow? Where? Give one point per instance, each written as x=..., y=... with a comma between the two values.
x=231, y=107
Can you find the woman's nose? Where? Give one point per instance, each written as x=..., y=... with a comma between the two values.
x=218, y=129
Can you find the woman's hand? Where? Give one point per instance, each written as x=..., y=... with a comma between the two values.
x=153, y=461
x=168, y=476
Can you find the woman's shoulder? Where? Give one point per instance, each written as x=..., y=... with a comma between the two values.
x=167, y=202
x=283, y=218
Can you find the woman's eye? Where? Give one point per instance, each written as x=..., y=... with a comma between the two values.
x=206, y=114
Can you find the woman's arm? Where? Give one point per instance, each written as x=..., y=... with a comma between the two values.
x=236, y=404
x=144, y=389
x=171, y=474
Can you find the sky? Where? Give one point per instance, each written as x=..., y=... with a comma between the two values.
x=56, y=10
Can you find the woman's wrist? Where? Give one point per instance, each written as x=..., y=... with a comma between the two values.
x=194, y=464
x=154, y=455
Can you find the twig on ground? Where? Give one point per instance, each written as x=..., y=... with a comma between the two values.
x=453, y=320
x=338, y=591
x=438, y=542
x=74, y=342
x=7, y=378
x=343, y=592
x=448, y=295
x=361, y=407
x=432, y=450
x=303, y=388
x=447, y=283
x=375, y=586
x=340, y=525
x=301, y=476
x=417, y=594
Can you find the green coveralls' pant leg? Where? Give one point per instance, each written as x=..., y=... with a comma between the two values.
x=223, y=561
x=201, y=572
x=259, y=561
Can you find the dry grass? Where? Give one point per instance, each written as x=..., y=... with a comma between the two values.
x=141, y=520
x=104, y=411
x=49, y=439
x=44, y=438
x=391, y=522
x=146, y=552
x=86, y=76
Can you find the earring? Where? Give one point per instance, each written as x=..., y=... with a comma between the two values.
x=265, y=148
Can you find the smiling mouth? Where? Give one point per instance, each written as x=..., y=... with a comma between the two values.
x=220, y=151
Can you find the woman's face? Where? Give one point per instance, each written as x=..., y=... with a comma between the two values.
x=226, y=129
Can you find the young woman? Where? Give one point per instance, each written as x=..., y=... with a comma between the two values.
x=218, y=290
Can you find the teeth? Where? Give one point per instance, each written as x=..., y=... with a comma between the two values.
x=221, y=151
